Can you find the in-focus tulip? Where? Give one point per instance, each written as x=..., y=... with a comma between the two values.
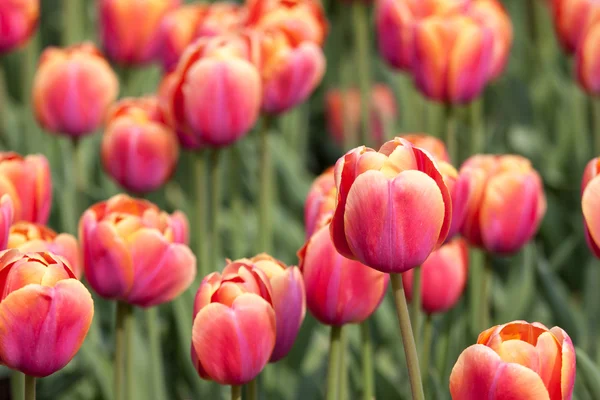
x=7, y=213
x=453, y=58
x=338, y=290
x=506, y=202
x=590, y=204
x=134, y=252
x=588, y=60
x=234, y=331
x=131, y=43
x=28, y=237
x=517, y=360
x=72, y=89
x=343, y=112
x=320, y=201
x=572, y=18
x=139, y=149
x=28, y=182
x=19, y=20
x=443, y=277
x=45, y=312
x=393, y=208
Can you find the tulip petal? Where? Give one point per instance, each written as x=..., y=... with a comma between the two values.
x=550, y=364
x=590, y=204
x=568, y=369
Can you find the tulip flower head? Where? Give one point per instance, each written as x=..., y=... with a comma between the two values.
x=72, y=89
x=590, y=201
x=517, y=360
x=134, y=252
x=45, y=312
x=19, y=20
x=320, y=201
x=572, y=19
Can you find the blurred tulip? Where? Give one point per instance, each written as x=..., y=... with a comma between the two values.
x=572, y=18
x=393, y=208
x=7, y=213
x=453, y=58
x=588, y=60
x=72, y=89
x=29, y=237
x=45, y=312
x=443, y=277
x=320, y=201
x=517, y=360
x=28, y=182
x=433, y=145
x=506, y=203
x=127, y=42
x=590, y=204
x=338, y=290
x=234, y=331
x=19, y=20
x=139, y=149
x=132, y=251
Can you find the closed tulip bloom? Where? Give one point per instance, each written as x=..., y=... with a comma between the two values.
x=517, y=360
x=453, y=58
x=572, y=18
x=320, y=200
x=338, y=290
x=7, y=213
x=393, y=208
x=132, y=252
x=139, y=149
x=443, y=277
x=506, y=203
x=132, y=43
x=234, y=330
x=588, y=60
x=29, y=237
x=28, y=182
x=433, y=145
x=45, y=312
x=19, y=20
x=72, y=89
x=590, y=202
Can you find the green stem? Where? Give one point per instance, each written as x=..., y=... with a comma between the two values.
x=427, y=342
x=201, y=220
x=477, y=126
x=415, y=312
x=367, y=361
x=333, y=370
x=17, y=385
x=360, y=19
x=343, y=394
x=129, y=358
x=215, y=205
x=485, y=298
x=236, y=193
x=156, y=372
x=123, y=351
x=451, y=127
x=410, y=350
x=236, y=392
x=596, y=127
x=29, y=387
x=265, y=191
x=72, y=21
x=252, y=389
x=77, y=184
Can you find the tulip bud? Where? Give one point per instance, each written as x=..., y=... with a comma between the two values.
x=132, y=252
x=588, y=60
x=372, y=188
x=572, y=18
x=443, y=277
x=45, y=312
x=517, y=360
x=131, y=43
x=72, y=89
x=338, y=290
x=139, y=150
x=28, y=182
x=19, y=20
x=590, y=203
x=320, y=201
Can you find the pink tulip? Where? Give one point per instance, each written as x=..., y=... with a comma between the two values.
x=320, y=201
x=7, y=212
x=19, y=20
x=590, y=203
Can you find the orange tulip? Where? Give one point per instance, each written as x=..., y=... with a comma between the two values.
x=320, y=201
x=139, y=149
x=28, y=182
x=45, y=312
x=517, y=360
x=506, y=204
x=134, y=252
x=132, y=43
x=72, y=89
x=29, y=237
x=590, y=201
x=19, y=20
x=7, y=212
x=588, y=60
x=572, y=18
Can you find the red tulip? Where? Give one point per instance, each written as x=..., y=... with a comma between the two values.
x=588, y=60
x=590, y=202
x=132, y=251
x=393, y=208
x=320, y=201
x=139, y=149
x=338, y=290
x=572, y=18
x=28, y=182
x=19, y=20
x=45, y=312
x=517, y=360
x=443, y=277
x=73, y=89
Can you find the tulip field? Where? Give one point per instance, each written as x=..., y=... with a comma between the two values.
x=299, y=199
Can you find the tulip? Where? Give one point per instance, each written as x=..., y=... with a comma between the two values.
x=572, y=18
x=587, y=60
x=132, y=251
x=443, y=277
x=506, y=203
x=7, y=212
x=28, y=237
x=517, y=360
x=460, y=187
x=320, y=201
x=453, y=58
x=338, y=290
x=132, y=43
x=139, y=150
x=433, y=145
x=45, y=312
x=19, y=20
x=590, y=190
x=372, y=187
x=72, y=89
x=28, y=182
x=234, y=331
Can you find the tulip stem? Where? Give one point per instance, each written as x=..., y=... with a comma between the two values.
x=477, y=126
x=367, y=361
x=201, y=222
x=360, y=19
x=72, y=22
x=236, y=392
x=17, y=385
x=410, y=350
x=596, y=120
x=415, y=304
x=156, y=377
x=252, y=389
x=29, y=387
x=485, y=300
x=123, y=352
x=451, y=127
x=333, y=370
x=265, y=190
x=215, y=204
x=426, y=348
x=343, y=385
